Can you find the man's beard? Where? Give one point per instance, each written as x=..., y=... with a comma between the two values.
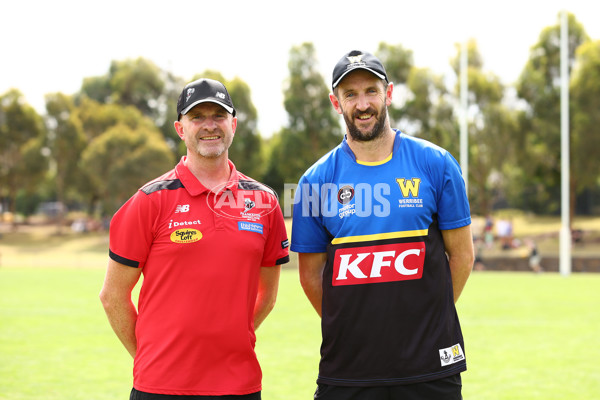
x=211, y=150
x=375, y=133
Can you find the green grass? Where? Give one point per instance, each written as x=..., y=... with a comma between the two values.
x=55, y=342
x=527, y=337
x=531, y=336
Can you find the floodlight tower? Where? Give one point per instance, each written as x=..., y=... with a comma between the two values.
x=565, y=230
x=464, y=105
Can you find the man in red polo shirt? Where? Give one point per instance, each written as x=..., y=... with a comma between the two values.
x=210, y=242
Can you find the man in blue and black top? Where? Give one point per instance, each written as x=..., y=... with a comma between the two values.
x=383, y=230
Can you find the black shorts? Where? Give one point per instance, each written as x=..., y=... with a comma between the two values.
x=137, y=395
x=449, y=388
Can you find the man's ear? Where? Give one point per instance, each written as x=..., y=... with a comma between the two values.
x=388, y=94
x=335, y=102
x=234, y=124
x=179, y=129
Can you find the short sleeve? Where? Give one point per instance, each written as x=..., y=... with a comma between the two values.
x=308, y=233
x=132, y=231
x=277, y=244
x=453, y=205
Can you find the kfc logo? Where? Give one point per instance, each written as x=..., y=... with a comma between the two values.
x=374, y=264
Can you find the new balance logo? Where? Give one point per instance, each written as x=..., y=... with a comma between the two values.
x=373, y=264
x=183, y=208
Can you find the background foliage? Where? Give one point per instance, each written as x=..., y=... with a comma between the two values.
x=94, y=148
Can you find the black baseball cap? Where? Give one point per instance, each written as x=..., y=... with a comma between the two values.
x=357, y=59
x=202, y=91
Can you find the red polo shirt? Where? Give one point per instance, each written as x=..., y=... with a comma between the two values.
x=201, y=255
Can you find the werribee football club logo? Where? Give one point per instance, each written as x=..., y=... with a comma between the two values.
x=409, y=187
x=410, y=192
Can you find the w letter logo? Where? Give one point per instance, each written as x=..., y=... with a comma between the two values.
x=409, y=186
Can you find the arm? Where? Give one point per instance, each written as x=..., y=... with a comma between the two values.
x=116, y=300
x=268, y=285
x=311, y=277
x=459, y=248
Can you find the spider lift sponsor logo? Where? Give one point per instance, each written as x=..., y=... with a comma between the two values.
x=186, y=235
x=382, y=263
x=451, y=355
x=250, y=227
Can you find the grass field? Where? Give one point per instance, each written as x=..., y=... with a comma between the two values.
x=527, y=336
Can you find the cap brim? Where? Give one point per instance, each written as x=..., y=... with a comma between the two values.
x=379, y=75
x=194, y=104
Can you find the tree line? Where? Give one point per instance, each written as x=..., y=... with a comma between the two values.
x=91, y=150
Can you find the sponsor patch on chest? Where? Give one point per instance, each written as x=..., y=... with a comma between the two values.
x=187, y=235
x=250, y=227
x=382, y=263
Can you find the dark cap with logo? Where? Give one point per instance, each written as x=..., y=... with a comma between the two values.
x=357, y=59
x=202, y=91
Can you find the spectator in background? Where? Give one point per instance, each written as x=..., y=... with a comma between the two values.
x=534, y=256
x=488, y=231
x=504, y=230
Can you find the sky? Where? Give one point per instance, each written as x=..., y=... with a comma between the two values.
x=50, y=46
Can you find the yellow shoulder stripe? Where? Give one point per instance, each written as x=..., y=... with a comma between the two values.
x=380, y=236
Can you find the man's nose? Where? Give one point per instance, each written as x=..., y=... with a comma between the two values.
x=208, y=123
x=362, y=103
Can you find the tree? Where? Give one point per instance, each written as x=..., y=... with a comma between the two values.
x=423, y=105
x=21, y=132
x=143, y=85
x=32, y=173
x=137, y=83
x=491, y=125
x=96, y=120
x=585, y=119
x=313, y=128
x=121, y=160
x=66, y=141
x=429, y=112
x=167, y=105
x=398, y=63
x=538, y=143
